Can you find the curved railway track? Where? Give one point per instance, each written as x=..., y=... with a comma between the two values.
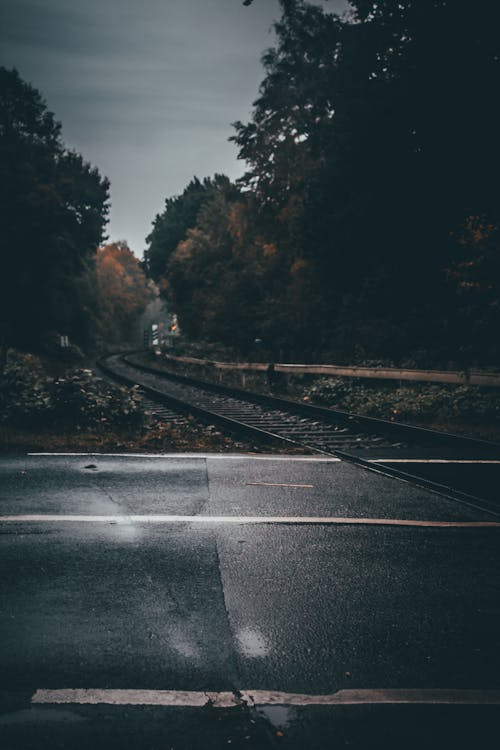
x=459, y=467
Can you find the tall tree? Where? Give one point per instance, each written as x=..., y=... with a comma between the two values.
x=364, y=147
x=372, y=146
x=54, y=209
x=122, y=292
x=171, y=226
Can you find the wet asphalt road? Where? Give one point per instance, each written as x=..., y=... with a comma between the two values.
x=312, y=609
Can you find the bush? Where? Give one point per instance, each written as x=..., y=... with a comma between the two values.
x=79, y=400
x=416, y=400
x=24, y=390
x=82, y=400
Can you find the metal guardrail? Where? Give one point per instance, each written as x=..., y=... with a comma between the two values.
x=371, y=424
x=471, y=377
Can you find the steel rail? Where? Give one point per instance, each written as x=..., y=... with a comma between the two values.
x=205, y=415
x=239, y=427
x=400, y=430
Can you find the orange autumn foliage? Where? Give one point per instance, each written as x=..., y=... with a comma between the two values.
x=122, y=289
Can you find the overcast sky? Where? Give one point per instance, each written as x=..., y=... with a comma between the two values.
x=145, y=89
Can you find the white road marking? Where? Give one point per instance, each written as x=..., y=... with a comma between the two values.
x=211, y=456
x=276, y=484
x=251, y=457
x=264, y=697
x=172, y=519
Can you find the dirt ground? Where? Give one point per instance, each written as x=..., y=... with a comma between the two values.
x=161, y=437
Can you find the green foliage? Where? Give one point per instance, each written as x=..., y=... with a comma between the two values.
x=171, y=226
x=413, y=401
x=371, y=152
x=82, y=400
x=54, y=209
x=211, y=289
x=78, y=400
x=24, y=390
x=474, y=275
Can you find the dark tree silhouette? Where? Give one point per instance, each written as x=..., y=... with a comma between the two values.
x=372, y=149
x=54, y=208
x=171, y=226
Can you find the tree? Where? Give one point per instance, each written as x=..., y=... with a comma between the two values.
x=171, y=226
x=199, y=275
x=54, y=211
x=122, y=292
x=363, y=150
x=373, y=140
x=474, y=277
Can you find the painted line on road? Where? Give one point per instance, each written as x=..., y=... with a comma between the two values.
x=211, y=456
x=250, y=457
x=263, y=697
x=301, y=520
x=277, y=484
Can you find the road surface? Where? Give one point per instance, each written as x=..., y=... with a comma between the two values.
x=213, y=601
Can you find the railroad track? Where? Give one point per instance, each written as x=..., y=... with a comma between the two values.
x=463, y=468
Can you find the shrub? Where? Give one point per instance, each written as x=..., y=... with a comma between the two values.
x=416, y=400
x=82, y=400
x=24, y=390
x=78, y=400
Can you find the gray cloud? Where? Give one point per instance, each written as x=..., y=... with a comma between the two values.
x=145, y=89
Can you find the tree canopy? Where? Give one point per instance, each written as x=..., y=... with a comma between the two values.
x=371, y=152
x=122, y=292
x=170, y=227
x=54, y=210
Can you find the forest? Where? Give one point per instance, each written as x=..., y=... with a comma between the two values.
x=366, y=226
x=58, y=277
